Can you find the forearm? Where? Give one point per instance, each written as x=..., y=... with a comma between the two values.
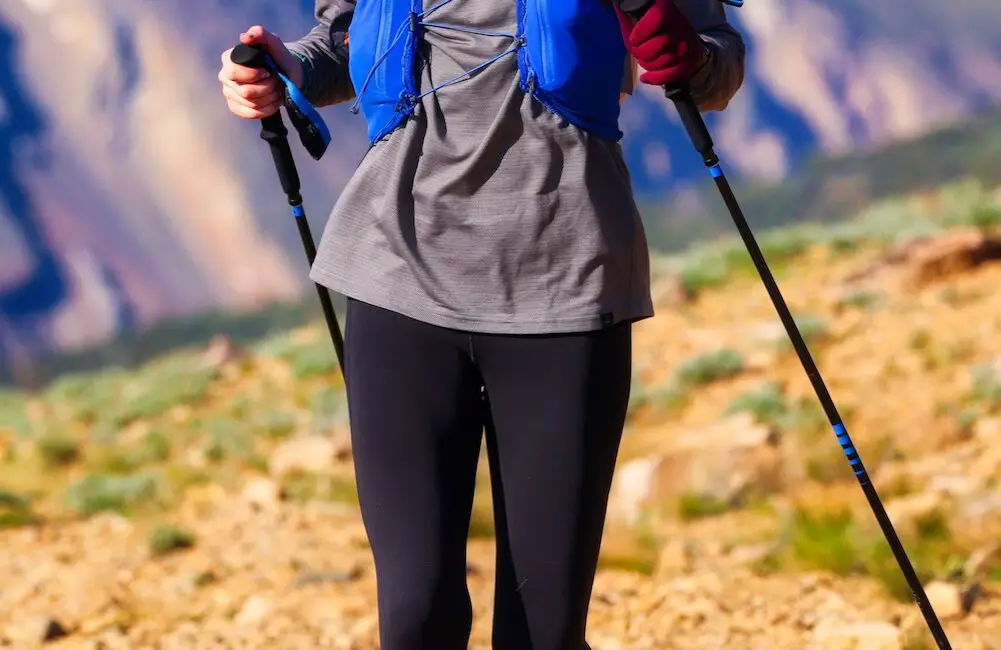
x=715, y=84
x=324, y=54
x=719, y=80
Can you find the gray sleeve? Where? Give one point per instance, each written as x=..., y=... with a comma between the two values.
x=715, y=84
x=324, y=54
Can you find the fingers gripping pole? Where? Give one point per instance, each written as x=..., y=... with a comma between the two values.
x=273, y=132
x=702, y=141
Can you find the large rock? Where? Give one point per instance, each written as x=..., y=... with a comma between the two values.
x=726, y=462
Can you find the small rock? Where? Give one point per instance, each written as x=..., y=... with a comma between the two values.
x=954, y=485
x=40, y=629
x=945, y=598
x=631, y=488
x=987, y=429
x=876, y=635
x=263, y=493
x=307, y=454
x=905, y=511
x=751, y=554
x=221, y=351
x=982, y=506
x=255, y=609
x=675, y=557
x=970, y=596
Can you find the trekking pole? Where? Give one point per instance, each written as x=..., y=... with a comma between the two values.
x=702, y=140
x=274, y=133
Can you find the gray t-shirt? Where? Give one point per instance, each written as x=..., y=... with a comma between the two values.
x=486, y=212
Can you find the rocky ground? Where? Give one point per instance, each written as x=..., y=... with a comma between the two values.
x=206, y=501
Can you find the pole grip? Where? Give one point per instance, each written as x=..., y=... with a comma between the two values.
x=696, y=127
x=688, y=110
x=273, y=129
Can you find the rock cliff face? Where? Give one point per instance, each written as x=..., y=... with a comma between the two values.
x=127, y=193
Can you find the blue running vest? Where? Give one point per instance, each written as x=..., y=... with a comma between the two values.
x=571, y=58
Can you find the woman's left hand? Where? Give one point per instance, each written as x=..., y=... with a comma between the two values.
x=664, y=43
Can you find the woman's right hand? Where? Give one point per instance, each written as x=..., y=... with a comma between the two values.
x=254, y=93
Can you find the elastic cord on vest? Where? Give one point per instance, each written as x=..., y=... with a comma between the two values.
x=417, y=21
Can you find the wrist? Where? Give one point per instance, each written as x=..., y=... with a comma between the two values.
x=297, y=69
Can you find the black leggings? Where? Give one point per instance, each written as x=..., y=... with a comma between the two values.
x=553, y=410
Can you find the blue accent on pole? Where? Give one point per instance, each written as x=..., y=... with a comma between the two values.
x=716, y=171
x=849, y=451
x=840, y=429
x=860, y=472
x=298, y=212
x=844, y=440
x=855, y=461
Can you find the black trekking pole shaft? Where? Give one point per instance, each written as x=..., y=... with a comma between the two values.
x=273, y=132
x=703, y=143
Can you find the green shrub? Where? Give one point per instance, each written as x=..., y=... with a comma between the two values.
x=824, y=541
x=277, y=424
x=661, y=398
x=58, y=450
x=697, y=506
x=166, y=539
x=861, y=299
x=986, y=217
x=306, y=358
x=837, y=542
x=228, y=439
x=986, y=386
x=709, y=367
x=805, y=419
x=767, y=404
x=15, y=510
x=827, y=464
x=812, y=328
x=303, y=487
x=162, y=389
x=107, y=492
x=713, y=265
x=329, y=409
x=13, y=415
x=155, y=447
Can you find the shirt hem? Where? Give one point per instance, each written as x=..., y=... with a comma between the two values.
x=531, y=325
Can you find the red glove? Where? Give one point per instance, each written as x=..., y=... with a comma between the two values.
x=664, y=43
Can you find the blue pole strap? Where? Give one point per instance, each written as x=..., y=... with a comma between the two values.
x=312, y=130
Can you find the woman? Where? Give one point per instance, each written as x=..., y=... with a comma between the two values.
x=494, y=261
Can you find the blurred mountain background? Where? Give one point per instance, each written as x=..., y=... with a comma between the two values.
x=129, y=197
